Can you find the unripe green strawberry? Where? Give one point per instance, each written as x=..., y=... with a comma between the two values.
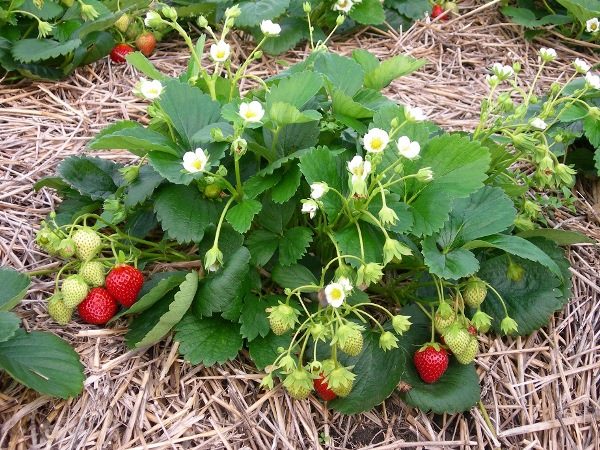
x=299, y=392
x=474, y=292
x=353, y=344
x=457, y=338
x=58, y=310
x=92, y=273
x=278, y=326
x=441, y=324
x=122, y=23
x=87, y=242
x=298, y=383
x=343, y=390
x=469, y=352
x=67, y=248
x=74, y=289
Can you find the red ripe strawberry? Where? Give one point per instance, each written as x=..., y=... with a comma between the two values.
x=323, y=389
x=98, y=307
x=120, y=51
x=438, y=11
x=431, y=362
x=124, y=282
x=145, y=43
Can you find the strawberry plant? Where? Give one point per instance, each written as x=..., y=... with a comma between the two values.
x=577, y=19
x=338, y=236
x=37, y=359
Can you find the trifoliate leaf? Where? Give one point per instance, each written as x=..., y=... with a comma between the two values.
x=288, y=186
x=254, y=12
x=293, y=245
x=297, y=89
x=240, y=216
x=92, y=177
x=28, y=50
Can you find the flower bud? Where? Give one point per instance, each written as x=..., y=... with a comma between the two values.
x=481, y=321
x=514, y=272
x=169, y=12
x=239, y=146
x=401, y=324
x=233, y=11
x=88, y=12
x=387, y=216
x=306, y=7
x=369, y=273
x=213, y=259
x=202, y=22
x=216, y=134
x=258, y=54
x=388, y=341
x=508, y=325
x=44, y=29
x=130, y=174
x=516, y=66
x=425, y=175
x=340, y=19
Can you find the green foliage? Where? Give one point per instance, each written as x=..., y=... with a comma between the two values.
x=15, y=287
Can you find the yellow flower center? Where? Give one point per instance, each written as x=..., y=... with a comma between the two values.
x=197, y=164
x=336, y=294
x=220, y=54
x=250, y=114
x=376, y=143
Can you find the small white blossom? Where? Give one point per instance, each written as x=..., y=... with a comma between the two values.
x=502, y=72
x=376, y=140
x=492, y=80
x=152, y=19
x=413, y=114
x=195, y=161
x=547, y=54
x=345, y=283
x=407, y=148
x=359, y=169
x=309, y=207
x=220, y=51
x=592, y=80
x=148, y=89
x=425, y=175
x=592, y=25
x=318, y=190
x=343, y=5
x=252, y=112
x=269, y=28
x=539, y=124
x=581, y=66
x=335, y=294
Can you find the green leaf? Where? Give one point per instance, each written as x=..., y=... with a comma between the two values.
x=14, y=287
x=293, y=276
x=46, y=11
x=390, y=69
x=221, y=288
x=29, y=50
x=262, y=245
x=153, y=324
x=142, y=188
x=189, y=109
x=263, y=350
x=591, y=127
x=255, y=11
x=296, y=90
x=282, y=113
x=342, y=72
x=93, y=177
x=153, y=290
x=321, y=165
x=257, y=184
x=450, y=265
x=208, y=340
x=413, y=9
x=254, y=318
x=240, y=216
x=367, y=60
x=275, y=217
x=183, y=212
x=582, y=9
x=531, y=300
x=143, y=64
x=137, y=139
x=456, y=391
x=561, y=237
x=9, y=324
x=288, y=186
x=349, y=242
x=459, y=167
x=43, y=362
x=377, y=375
x=368, y=12
x=294, y=244
x=344, y=105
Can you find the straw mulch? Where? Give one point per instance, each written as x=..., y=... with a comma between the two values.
x=539, y=392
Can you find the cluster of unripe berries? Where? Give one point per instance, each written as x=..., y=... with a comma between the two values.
x=95, y=294
x=457, y=334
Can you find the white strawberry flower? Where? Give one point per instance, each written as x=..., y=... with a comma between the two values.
x=581, y=66
x=539, y=124
x=407, y=148
x=376, y=140
x=547, y=54
x=359, y=169
x=592, y=80
x=252, y=112
x=310, y=207
x=148, y=89
x=269, y=28
x=343, y=5
x=195, y=161
x=592, y=25
x=335, y=294
x=502, y=72
x=220, y=51
x=413, y=114
x=318, y=190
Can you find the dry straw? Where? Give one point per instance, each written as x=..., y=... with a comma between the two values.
x=539, y=392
